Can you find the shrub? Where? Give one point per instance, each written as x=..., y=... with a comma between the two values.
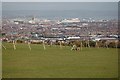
x=19, y=41
x=92, y=43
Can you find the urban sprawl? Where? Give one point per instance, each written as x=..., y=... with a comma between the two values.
x=36, y=30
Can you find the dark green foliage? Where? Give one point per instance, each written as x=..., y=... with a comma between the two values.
x=92, y=43
x=19, y=41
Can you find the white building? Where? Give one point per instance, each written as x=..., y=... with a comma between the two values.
x=74, y=20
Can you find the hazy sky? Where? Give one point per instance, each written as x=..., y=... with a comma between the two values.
x=59, y=0
x=61, y=9
x=93, y=6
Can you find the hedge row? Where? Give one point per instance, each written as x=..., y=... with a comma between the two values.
x=82, y=43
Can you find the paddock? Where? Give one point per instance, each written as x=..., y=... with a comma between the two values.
x=56, y=62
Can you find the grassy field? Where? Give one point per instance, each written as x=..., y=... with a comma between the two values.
x=58, y=63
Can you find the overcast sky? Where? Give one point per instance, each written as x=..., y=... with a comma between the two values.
x=59, y=0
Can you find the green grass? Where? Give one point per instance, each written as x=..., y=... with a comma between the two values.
x=58, y=63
